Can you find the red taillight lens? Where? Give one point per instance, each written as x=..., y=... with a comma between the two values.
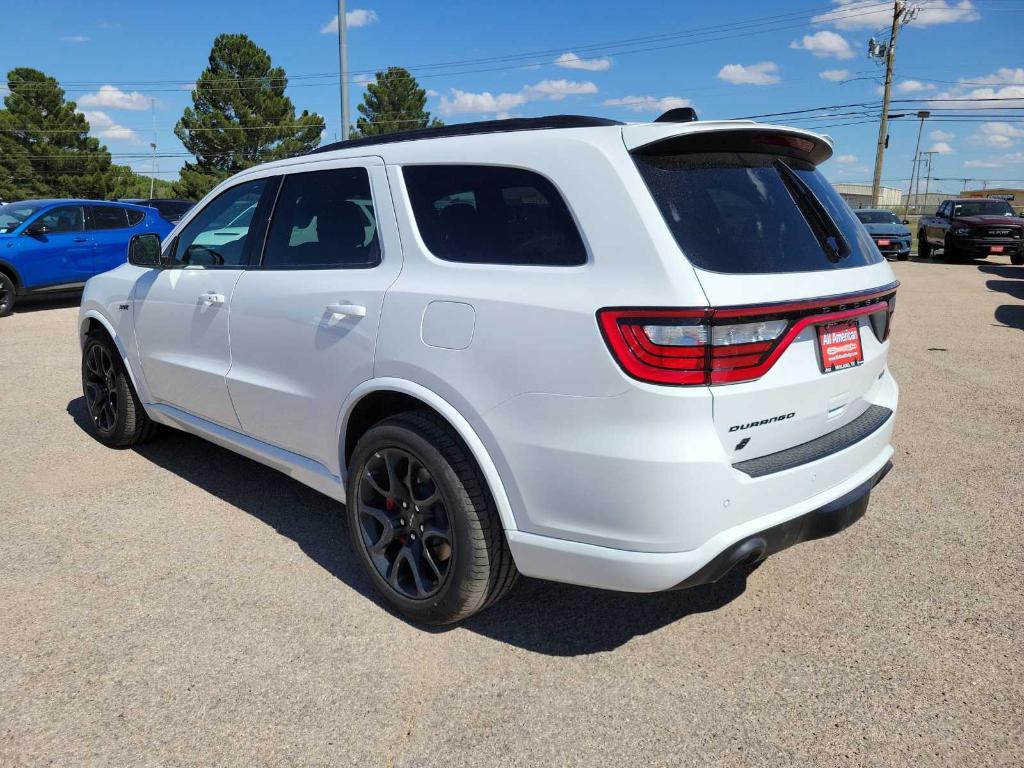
x=723, y=346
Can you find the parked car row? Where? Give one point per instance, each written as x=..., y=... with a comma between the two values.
x=972, y=228
x=54, y=246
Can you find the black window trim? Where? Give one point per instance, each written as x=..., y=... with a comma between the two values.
x=434, y=258
x=44, y=211
x=258, y=263
x=248, y=262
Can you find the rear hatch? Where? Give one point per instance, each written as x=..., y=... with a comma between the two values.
x=794, y=340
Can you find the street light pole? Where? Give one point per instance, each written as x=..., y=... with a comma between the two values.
x=343, y=67
x=152, y=178
x=923, y=115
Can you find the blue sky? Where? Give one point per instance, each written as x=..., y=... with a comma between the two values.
x=596, y=57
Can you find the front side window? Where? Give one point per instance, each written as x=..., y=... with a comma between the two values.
x=743, y=213
x=67, y=218
x=108, y=217
x=479, y=214
x=324, y=220
x=218, y=235
x=13, y=215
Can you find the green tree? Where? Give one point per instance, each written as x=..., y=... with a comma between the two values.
x=45, y=147
x=240, y=117
x=393, y=102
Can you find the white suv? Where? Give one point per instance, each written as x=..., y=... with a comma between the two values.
x=625, y=356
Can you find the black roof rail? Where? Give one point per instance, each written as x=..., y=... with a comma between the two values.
x=471, y=129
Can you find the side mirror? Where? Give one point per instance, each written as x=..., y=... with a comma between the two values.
x=144, y=250
x=906, y=222
x=37, y=228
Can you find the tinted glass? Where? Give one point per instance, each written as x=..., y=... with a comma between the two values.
x=323, y=219
x=982, y=208
x=734, y=212
x=492, y=215
x=877, y=217
x=108, y=217
x=134, y=217
x=214, y=238
x=67, y=218
x=172, y=210
x=13, y=214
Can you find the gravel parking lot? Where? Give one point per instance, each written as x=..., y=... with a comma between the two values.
x=178, y=604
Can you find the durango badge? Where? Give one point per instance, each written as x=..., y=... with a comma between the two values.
x=762, y=422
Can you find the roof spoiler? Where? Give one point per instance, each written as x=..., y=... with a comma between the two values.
x=726, y=136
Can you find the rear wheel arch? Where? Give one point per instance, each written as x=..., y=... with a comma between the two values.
x=382, y=398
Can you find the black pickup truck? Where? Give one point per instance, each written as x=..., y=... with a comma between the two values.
x=972, y=227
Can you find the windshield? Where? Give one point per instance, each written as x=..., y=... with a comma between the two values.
x=877, y=217
x=982, y=208
x=736, y=212
x=13, y=215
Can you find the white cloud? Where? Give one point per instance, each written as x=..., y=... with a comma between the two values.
x=834, y=75
x=1012, y=158
x=998, y=135
x=913, y=86
x=982, y=164
x=103, y=126
x=942, y=135
x=1002, y=88
x=75, y=39
x=870, y=14
x=825, y=44
x=431, y=93
x=846, y=159
x=358, y=17
x=648, y=103
x=112, y=97
x=571, y=61
x=467, y=102
x=942, y=148
x=764, y=73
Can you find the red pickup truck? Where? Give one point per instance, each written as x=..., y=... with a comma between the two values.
x=972, y=227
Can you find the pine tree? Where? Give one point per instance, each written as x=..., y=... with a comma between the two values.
x=45, y=149
x=393, y=102
x=240, y=117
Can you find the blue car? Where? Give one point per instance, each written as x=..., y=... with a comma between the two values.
x=891, y=235
x=52, y=246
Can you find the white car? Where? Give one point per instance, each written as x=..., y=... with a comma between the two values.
x=625, y=356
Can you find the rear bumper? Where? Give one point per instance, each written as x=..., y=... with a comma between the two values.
x=574, y=562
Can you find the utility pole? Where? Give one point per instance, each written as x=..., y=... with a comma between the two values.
x=928, y=176
x=152, y=145
x=923, y=115
x=901, y=15
x=343, y=67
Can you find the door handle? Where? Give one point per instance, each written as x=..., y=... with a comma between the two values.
x=80, y=239
x=346, y=310
x=211, y=299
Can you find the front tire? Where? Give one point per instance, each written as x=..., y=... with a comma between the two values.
x=949, y=251
x=1017, y=259
x=423, y=522
x=7, y=295
x=924, y=248
x=116, y=414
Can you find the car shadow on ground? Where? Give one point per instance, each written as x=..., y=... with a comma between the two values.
x=544, y=617
x=37, y=304
x=1011, y=315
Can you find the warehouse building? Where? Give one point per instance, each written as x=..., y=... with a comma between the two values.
x=859, y=195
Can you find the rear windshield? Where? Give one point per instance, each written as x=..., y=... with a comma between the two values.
x=877, y=217
x=736, y=212
x=982, y=208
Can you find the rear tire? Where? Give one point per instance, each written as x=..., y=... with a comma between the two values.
x=924, y=248
x=116, y=415
x=423, y=521
x=7, y=295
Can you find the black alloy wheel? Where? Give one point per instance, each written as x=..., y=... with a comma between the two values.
x=102, y=388
x=404, y=525
x=6, y=295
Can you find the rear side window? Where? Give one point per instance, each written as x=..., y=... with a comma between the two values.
x=324, y=220
x=492, y=215
x=744, y=213
x=134, y=217
x=108, y=217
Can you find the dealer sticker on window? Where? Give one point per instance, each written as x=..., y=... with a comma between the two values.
x=839, y=346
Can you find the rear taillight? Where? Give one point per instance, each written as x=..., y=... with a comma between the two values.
x=728, y=345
